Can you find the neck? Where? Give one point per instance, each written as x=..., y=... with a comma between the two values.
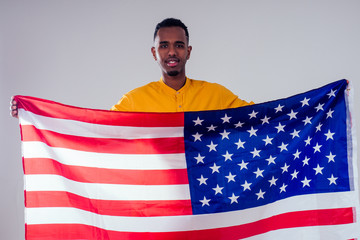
x=175, y=82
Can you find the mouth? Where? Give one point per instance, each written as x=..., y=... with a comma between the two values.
x=172, y=62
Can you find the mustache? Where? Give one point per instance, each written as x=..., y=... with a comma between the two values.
x=172, y=59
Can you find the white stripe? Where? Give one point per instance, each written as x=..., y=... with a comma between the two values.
x=189, y=222
x=104, y=160
x=77, y=128
x=46, y=182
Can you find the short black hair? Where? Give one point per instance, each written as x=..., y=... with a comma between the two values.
x=171, y=22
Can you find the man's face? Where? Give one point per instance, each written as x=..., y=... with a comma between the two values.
x=171, y=50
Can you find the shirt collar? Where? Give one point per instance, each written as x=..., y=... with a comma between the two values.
x=173, y=91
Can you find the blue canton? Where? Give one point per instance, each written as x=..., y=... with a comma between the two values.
x=254, y=155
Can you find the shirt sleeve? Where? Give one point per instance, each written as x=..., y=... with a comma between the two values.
x=230, y=100
x=124, y=105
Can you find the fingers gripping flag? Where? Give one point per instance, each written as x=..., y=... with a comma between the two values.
x=258, y=172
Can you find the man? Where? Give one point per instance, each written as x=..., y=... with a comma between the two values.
x=174, y=92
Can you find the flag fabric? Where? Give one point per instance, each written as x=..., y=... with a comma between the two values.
x=263, y=171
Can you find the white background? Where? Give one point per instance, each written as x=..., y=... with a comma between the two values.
x=88, y=53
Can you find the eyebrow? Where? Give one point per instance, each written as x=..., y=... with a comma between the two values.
x=164, y=42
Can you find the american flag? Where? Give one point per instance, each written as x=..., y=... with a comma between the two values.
x=258, y=172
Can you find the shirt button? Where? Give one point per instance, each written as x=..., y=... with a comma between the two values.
x=179, y=106
x=177, y=92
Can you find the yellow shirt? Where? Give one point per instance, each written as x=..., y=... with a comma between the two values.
x=193, y=96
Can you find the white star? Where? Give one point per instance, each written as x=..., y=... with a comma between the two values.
x=230, y=177
x=268, y=140
x=292, y=114
x=198, y=121
x=205, y=201
x=297, y=154
x=252, y=131
x=329, y=113
x=197, y=136
x=318, y=127
x=306, y=182
x=199, y=158
x=332, y=179
x=283, y=147
x=218, y=189
x=270, y=160
x=306, y=161
x=307, y=141
x=211, y=128
x=225, y=134
x=255, y=152
x=331, y=94
x=279, y=108
x=329, y=135
x=331, y=157
x=273, y=181
x=259, y=173
x=233, y=198
x=227, y=156
x=246, y=185
x=243, y=165
x=317, y=148
x=318, y=169
x=239, y=124
x=280, y=128
x=294, y=174
x=202, y=180
x=307, y=120
x=260, y=194
x=212, y=146
x=319, y=107
x=215, y=168
x=295, y=133
x=226, y=118
x=240, y=144
x=283, y=188
x=285, y=168
x=265, y=120
x=253, y=114
x=305, y=101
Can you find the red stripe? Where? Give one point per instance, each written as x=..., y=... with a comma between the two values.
x=57, y=110
x=105, y=175
x=286, y=220
x=106, y=207
x=104, y=145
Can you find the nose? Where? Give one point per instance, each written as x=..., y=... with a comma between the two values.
x=172, y=51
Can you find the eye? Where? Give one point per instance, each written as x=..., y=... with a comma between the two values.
x=180, y=46
x=163, y=46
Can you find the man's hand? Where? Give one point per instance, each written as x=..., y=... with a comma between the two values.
x=13, y=108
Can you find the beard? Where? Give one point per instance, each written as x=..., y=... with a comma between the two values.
x=173, y=73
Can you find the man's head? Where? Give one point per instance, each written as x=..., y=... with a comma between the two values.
x=171, y=47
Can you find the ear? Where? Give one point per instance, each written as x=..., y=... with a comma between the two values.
x=188, y=52
x=153, y=51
